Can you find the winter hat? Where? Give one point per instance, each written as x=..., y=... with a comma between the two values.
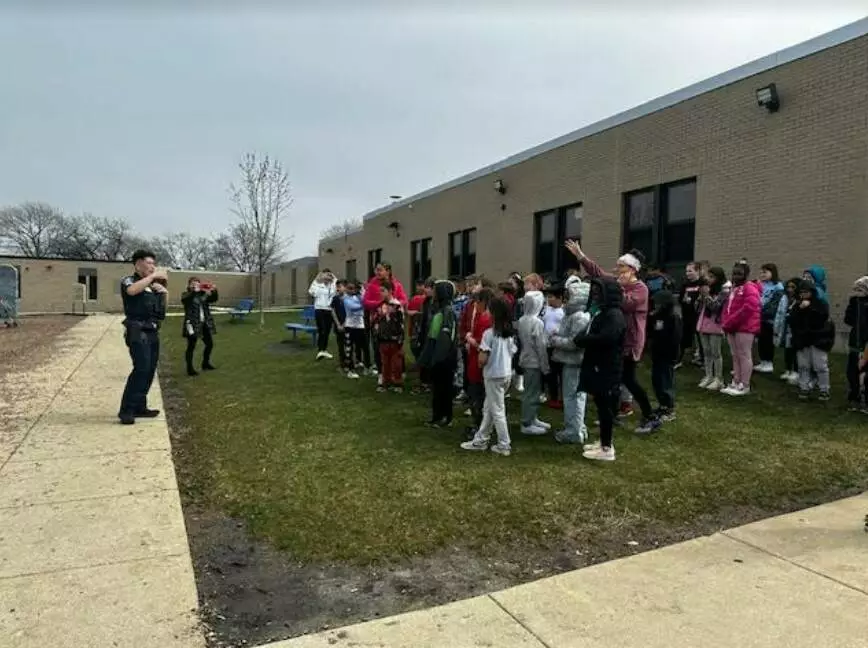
x=630, y=261
x=860, y=286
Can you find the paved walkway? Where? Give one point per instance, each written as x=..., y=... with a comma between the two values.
x=93, y=549
x=798, y=580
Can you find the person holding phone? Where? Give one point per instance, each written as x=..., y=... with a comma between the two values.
x=199, y=322
x=323, y=291
x=144, y=294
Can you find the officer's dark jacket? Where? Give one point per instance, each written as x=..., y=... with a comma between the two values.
x=143, y=311
x=197, y=312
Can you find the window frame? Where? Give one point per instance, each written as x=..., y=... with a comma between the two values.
x=91, y=282
x=425, y=269
x=562, y=260
x=375, y=257
x=18, y=271
x=660, y=227
x=464, y=268
x=351, y=276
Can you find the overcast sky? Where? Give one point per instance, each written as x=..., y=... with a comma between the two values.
x=143, y=114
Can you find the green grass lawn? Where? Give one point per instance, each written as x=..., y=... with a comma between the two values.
x=332, y=471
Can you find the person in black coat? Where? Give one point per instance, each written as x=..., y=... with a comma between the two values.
x=813, y=336
x=198, y=321
x=856, y=317
x=665, y=337
x=600, y=375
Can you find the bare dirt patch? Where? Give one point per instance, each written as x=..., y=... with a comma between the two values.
x=29, y=344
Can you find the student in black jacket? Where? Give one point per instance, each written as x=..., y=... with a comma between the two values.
x=198, y=321
x=665, y=337
x=813, y=336
x=689, y=296
x=339, y=317
x=856, y=317
x=600, y=375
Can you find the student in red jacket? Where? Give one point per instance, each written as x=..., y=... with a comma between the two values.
x=741, y=323
x=372, y=299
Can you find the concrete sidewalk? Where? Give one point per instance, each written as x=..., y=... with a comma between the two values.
x=799, y=580
x=93, y=548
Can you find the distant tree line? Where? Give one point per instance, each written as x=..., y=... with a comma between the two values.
x=259, y=202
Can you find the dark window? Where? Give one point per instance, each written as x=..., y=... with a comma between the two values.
x=374, y=259
x=462, y=253
x=551, y=229
x=661, y=222
x=87, y=277
x=420, y=255
x=350, y=274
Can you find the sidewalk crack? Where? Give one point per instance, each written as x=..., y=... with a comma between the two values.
x=519, y=622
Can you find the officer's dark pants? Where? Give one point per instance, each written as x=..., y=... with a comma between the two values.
x=144, y=349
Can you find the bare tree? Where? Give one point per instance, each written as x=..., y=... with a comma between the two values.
x=32, y=228
x=341, y=230
x=260, y=203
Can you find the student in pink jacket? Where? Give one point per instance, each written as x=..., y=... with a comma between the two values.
x=372, y=298
x=635, y=308
x=741, y=323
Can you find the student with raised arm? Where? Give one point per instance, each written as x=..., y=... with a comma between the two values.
x=634, y=305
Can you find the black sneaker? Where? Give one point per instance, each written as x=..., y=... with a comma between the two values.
x=126, y=419
x=192, y=372
x=804, y=394
x=148, y=413
x=381, y=388
x=208, y=367
x=824, y=397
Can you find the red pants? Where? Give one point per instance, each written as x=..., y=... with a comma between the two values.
x=392, y=358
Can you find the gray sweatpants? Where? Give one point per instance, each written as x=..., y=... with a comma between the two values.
x=713, y=359
x=812, y=361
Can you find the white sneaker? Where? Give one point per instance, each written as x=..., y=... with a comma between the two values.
x=764, y=368
x=533, y=430
x=738, y=390
x=600, y=454
x=785, y=376
x=542, y=424
x=543, y=398
x=468, y=412
x=321, y=355
x=793, y=379
x=519, y=384
x=352, y=374
x=591, y=446
x=705, y=382
x=379, y=380
x=729, y=389
x=714, y=385
x=503, y=451
x=327, y=355
x=474, y=445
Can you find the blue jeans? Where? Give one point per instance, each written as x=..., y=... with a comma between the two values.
x=530, y=399
x=574, y=404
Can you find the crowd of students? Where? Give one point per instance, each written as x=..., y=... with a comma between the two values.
x=563, y=342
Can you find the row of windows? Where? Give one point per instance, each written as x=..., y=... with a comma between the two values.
x=659, y=221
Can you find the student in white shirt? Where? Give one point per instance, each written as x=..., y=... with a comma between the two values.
x=495, y=356
x=323, y=290
x=552, y=321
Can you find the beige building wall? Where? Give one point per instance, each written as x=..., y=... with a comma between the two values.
x=288, y=282
x=231, y=286
x=787, y=187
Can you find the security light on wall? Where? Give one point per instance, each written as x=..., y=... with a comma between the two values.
x=329, y=251
x=767, y=97
x=499, y=187
x=396, y=226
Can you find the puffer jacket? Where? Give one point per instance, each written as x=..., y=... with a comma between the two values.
x=811, y=326
x=742, y=311
x=197, y=313
x=856, y=317
x=604, y=341
x=575, y=322
x=322, y=294
x=818, y=278
x=531, y=333
x=441, y=344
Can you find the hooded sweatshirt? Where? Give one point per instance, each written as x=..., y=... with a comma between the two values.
x=531, y=333
x=664, y=329
x=441, y=343
x=772, y=291
x=323, y=293
x=818, y=274
x=575, y=322
x=372, y=297
x=635, y=307
x=603, y=342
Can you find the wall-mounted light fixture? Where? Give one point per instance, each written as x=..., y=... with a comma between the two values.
x=395, y=197
x=329, y=251
x=767, y=97
x=396, y=226
x=499, y=187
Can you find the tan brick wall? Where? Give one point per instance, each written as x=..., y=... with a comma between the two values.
x=48, y=285
x=281, y=281
x=788, y=187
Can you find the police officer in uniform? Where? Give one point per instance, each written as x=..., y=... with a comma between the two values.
x=144, y=295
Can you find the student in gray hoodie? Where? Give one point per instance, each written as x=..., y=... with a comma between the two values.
x=534, y=360
x=575, y=322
